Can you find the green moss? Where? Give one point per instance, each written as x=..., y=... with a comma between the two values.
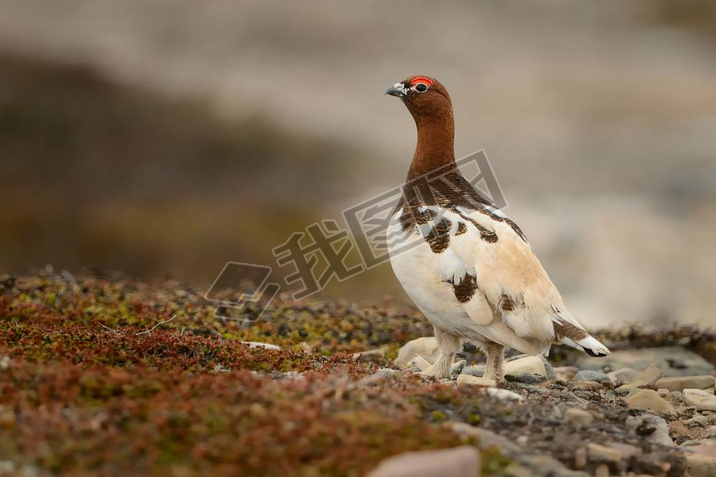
x=438, y=416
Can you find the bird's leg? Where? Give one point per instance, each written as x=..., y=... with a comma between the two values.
x=448, y=345
x=495, y=362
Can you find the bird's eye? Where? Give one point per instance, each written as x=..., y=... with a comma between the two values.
x=420, y=87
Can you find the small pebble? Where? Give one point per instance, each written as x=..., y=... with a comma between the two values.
x=589, y=375
x=578, y=417
x=679, y=429
x=580, y=458
x=698, y=420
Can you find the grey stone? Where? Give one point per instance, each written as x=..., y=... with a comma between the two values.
x=461, y=461
x=477, y=371
x=525, y=378
x=647, y=377
x=590, y=375
x=623, y=375
x=687, y=363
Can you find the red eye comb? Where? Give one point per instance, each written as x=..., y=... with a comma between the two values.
x=421, y=79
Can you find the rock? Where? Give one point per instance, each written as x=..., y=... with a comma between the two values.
x=698, y=420
x=478, y=371
x=653, y=428
x=710, y=433
x=702, y=400
x=522, y=441
x=623, y=375
x=504, y=394
x=686, y=382
x=578, y=417
x=601, y=453
x=486, y=438
x=469, y=380
x=589, y=375
x=370, y=355
x=461, y=461
x=566, y=372
x=662, y=392
x=525, y=378
x=671, y=360
x=530, y=364
x=587, y=386
x=602, y=471
x=701, y=460
x=543, y=464
x=386, y=372
x=256, y=344
x=427, y=348
x=701, y=465
x=626, y=450
x=648, y=400
x=580, y=458
x=647, y=377
x=678, y=429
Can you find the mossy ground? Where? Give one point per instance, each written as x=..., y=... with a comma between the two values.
x=89, y=386
x=103, y=377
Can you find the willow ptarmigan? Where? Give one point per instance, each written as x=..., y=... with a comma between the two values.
x=472, y=272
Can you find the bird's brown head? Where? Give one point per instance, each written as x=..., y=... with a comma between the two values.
x=424, y=96
x=429, y=103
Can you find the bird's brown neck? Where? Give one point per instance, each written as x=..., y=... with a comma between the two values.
x=436, y=144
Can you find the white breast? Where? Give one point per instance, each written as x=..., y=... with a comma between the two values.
x=426, y=275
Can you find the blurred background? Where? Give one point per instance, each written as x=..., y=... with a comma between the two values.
x=163, y=139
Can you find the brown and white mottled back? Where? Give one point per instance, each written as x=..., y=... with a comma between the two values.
x=471, y=270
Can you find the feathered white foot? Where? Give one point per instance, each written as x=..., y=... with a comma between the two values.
x=494, y=368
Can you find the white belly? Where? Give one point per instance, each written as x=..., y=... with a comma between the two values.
x=424, y=276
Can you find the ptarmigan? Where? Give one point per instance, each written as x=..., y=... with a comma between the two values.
x=472, y=272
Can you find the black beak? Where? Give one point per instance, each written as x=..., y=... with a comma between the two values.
x=398, y=90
